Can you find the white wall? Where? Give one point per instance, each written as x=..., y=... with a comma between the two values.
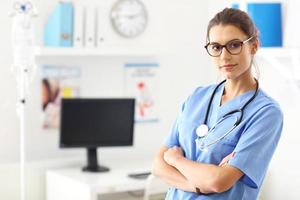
x=283, y=172
x=176, y=29
x=9, y=140
x=9, y=126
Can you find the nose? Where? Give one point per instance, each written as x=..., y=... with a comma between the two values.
x=225, y=54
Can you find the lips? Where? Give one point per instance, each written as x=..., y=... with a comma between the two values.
x=229, y=65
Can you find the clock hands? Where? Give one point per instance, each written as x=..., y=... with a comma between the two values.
x=130, y=16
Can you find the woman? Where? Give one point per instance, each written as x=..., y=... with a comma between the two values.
x=50, y=103
x=223, y=139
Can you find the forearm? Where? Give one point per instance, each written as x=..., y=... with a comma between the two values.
x=202, y=176
x=208, y=178
x=170, y=174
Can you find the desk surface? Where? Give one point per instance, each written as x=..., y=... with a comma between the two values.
x=115, y=180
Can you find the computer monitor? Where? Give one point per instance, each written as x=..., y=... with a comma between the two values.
x=93, y=123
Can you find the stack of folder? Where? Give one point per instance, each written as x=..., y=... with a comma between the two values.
x=76, y=24
x=59, y=27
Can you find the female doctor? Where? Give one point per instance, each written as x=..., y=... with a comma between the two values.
x=225, y=135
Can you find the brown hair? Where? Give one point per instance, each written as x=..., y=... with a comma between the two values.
x=234, y=17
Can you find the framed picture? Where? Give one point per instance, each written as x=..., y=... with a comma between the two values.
x=141, y=82
x=57, y=82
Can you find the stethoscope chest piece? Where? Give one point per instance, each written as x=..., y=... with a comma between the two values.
x=202, y=130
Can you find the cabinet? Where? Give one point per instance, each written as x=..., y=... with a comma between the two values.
x=72, y=183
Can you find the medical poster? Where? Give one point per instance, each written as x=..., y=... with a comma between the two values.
x=141, y=82
x=57, y=82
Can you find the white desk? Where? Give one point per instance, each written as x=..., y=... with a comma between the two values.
x=73, y=184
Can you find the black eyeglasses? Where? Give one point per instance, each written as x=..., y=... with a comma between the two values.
x=234, y=47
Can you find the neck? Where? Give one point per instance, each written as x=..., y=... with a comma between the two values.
x=236, y=87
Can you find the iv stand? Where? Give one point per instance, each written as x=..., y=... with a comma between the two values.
x=23, y=64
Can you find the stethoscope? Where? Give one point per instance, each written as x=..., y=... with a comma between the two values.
x=202, y=131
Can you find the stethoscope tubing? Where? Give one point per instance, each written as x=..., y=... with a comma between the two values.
x=233, y=111
x=219, y=139
x=241, y=110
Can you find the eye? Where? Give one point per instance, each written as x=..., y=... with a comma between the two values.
x=216, y=47
x=234, y=44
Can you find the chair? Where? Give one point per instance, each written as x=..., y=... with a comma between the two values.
x=155, y=188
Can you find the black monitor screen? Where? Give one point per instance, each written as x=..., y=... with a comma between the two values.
x=96, y=122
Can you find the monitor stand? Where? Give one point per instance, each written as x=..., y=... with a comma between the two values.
x=92, y=165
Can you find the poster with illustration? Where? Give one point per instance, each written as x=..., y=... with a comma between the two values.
x=57, y=82
x=141, y=82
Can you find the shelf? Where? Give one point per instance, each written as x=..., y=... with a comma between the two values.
x=278, y=52
x=105, y=51
x=285, y=60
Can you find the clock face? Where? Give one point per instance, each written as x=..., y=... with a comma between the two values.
x=129, y=17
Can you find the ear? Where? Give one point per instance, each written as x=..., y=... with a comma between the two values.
x=254, y=46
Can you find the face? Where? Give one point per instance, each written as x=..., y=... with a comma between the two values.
x=232, y=66
x=45, y=94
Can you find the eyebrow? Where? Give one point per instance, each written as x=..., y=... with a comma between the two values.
x=226, y=42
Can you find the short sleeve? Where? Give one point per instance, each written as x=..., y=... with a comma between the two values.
x=172, y=138
x=257, y=144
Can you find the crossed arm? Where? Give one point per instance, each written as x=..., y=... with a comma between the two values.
x=171, y=166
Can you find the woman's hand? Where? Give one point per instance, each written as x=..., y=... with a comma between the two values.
x=173, y=154
x=226, y=159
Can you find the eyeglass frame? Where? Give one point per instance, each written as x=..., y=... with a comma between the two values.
x=225, y=46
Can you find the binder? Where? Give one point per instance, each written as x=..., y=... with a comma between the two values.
x=90, y=26
x=100, y=35
x=267, y=18
x=59, y=27
x=102, y=23
x=79, y=24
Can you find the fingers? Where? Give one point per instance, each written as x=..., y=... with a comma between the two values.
x=176, y=149
x=226, y=159
x=223, y=163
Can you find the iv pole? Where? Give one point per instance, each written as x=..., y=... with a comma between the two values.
x=23, y=66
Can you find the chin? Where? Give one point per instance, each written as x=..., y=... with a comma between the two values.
x=229, y=76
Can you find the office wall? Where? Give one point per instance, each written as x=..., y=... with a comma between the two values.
x=175, y=35
x=9, y=139
x=179, y=34
x=9, y=126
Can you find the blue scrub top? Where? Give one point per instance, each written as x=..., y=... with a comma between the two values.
x=254, y=140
